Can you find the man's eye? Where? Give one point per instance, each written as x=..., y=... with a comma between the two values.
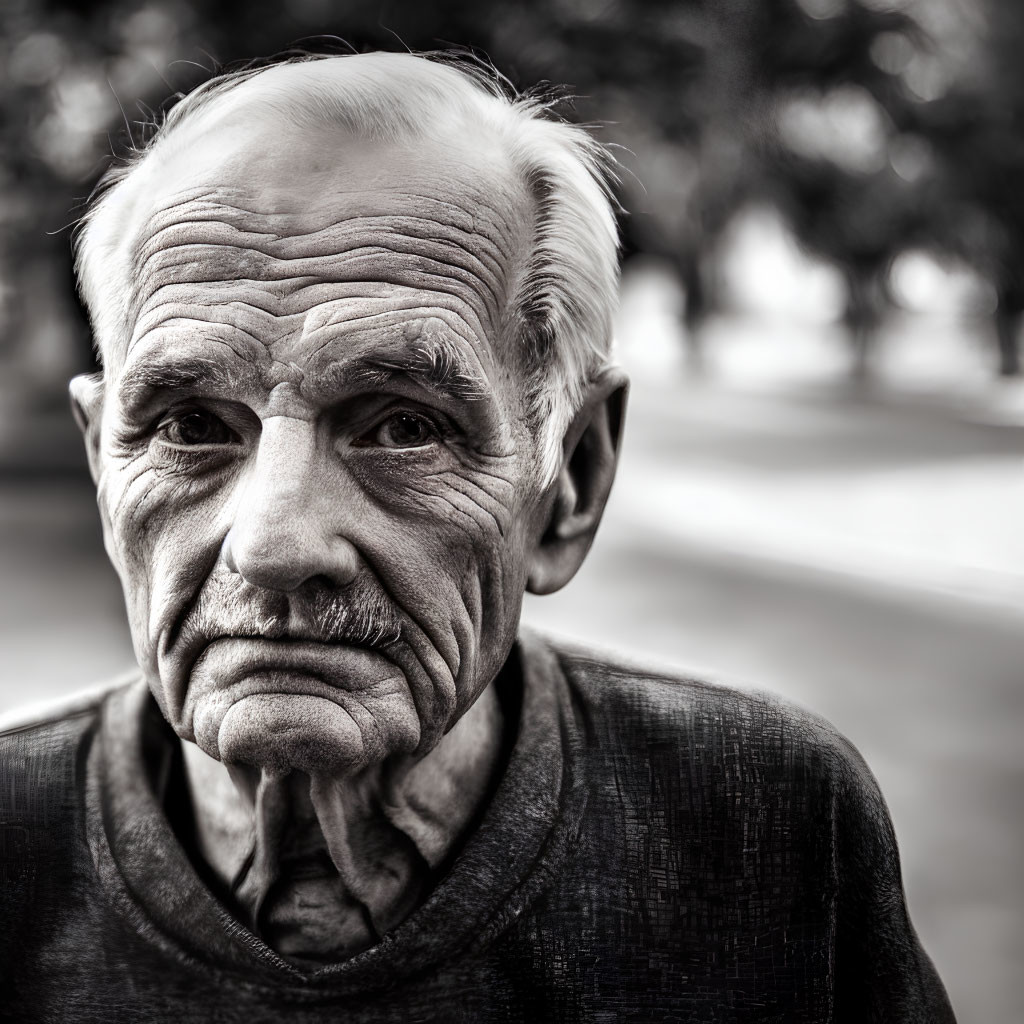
x=402, y=430
x=196, y=427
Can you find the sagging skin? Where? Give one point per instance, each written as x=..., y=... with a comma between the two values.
x=321, y=494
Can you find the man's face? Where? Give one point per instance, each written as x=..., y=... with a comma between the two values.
x=314, y=474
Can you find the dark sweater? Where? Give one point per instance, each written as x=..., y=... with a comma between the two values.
x=657, y=849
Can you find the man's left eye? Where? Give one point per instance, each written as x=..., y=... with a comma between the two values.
x=196, y=427
x=402, y=430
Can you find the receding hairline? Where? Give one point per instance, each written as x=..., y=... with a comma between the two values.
x=562, y=310
x=305, y=92
x=380, y=104
x=466, y=95
x=454, y=191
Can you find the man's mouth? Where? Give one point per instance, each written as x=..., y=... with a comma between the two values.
x=291, y=665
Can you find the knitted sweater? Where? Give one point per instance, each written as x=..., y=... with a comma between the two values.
x=656, y=849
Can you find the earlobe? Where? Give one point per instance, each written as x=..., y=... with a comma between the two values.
x=86, y=391
x=581, y=489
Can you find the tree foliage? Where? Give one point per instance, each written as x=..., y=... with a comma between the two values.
x=817, y=107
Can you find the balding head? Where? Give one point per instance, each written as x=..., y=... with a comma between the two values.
x=304, y=127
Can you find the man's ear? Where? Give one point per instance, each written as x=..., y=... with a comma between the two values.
x=577, y=498
x=87, y=407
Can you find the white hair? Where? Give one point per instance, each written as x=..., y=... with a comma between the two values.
x=561, y=314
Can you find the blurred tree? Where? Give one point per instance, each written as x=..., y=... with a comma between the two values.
x=977, y=129
x=826, y=108
x=61, y=71
x=795, y=102
x=859, y=221
x=838, y=109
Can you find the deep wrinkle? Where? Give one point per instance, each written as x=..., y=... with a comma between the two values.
x=450, y=263
x=469, y=216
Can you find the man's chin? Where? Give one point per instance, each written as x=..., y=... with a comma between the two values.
x=281, y=732
x=319, y=709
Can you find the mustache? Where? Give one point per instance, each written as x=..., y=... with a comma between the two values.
x=358, y=614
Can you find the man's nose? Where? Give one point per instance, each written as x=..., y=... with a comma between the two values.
x=287, y=524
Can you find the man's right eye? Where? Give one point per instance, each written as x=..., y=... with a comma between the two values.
x=195, y=427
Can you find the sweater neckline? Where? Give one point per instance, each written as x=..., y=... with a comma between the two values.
x=520, y=841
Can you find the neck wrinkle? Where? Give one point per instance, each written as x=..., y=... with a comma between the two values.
x=386, y=830
x=261, y=867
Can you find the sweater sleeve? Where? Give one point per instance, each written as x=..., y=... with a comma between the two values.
x=882, y=975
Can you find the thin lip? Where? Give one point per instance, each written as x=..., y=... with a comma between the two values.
x=297, y=669
x=310, y=657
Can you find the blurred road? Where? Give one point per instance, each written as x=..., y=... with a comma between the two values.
x=864, y=561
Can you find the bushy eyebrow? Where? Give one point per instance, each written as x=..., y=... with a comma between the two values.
x=138, y=384
x=433, y=363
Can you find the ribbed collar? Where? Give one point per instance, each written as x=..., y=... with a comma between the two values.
x=522, y=838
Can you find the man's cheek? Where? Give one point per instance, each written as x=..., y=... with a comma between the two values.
x=166, y=538
x=457, y=584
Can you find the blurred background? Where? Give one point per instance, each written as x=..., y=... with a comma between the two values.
x=823, y=479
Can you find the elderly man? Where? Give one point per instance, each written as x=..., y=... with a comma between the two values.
x=356, y=397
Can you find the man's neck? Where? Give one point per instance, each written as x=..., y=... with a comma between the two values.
x=323, y=867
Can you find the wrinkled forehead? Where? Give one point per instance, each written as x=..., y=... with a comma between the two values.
x=255, y=211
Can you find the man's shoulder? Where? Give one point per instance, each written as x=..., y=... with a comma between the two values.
x=39, y=744
x=648, y=707
x=38, y=717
